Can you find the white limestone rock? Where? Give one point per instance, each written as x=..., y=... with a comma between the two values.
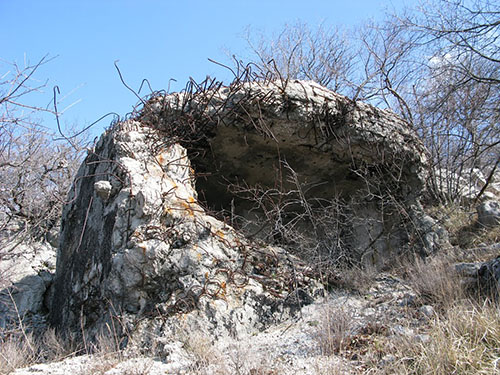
x=103, y=189
x=26, y=273
x=488, y=213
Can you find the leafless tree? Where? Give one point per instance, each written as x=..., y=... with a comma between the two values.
x=437, y=66
x=35, y=170
x=454, y=110
x=301, y=52
x=456, y=101
x=464, y=35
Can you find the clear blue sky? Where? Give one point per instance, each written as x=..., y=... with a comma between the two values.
x=152, y=39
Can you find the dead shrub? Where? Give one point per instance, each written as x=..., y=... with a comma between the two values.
x=334, y=331
x=435, y=281
x=18, y=351
x=19, y=348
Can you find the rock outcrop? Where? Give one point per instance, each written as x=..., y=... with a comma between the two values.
x=467, y=185
x=143, y=254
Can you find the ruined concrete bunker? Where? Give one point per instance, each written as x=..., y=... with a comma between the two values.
x=297, y=142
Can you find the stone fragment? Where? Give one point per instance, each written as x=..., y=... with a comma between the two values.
x=26, y=274
x=422, y=338
x=400, y=330
x=482, y=276
x=427, y=311
x=488, y=213
x=387, y=360
x=489, y=276
x=103, y=189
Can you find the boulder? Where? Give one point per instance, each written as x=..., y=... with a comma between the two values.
x=26, y=272
x=488, y=213
x=482, y=276
x=489, y=276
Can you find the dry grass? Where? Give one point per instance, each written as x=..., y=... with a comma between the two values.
x=465, y=334
x=106, y=351
x=455, y=220
x=19, y=354
x=354, y=278
x=200, y=346
x=327, y=366
x=16, y=352
x=435, y=281
x=101, y=363
x=488, y=235
x=238, y=359
x=465, y=340
x=20, y=349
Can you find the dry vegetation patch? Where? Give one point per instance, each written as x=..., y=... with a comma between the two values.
x=19, y=348
x=465, y=232
x=464, y=340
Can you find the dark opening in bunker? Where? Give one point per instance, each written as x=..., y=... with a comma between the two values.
x=254, y=180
